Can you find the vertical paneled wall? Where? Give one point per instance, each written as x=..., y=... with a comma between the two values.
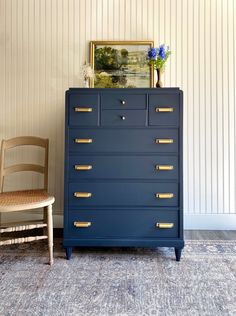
x=43, y=43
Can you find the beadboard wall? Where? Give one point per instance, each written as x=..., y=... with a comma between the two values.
x=43, y=44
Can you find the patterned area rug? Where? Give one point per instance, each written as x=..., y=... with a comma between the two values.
x=120, y=282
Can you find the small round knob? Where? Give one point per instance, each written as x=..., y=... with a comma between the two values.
x=123, y=102
x=122, y=117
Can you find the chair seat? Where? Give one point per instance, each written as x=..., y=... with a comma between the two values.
x=24, y=200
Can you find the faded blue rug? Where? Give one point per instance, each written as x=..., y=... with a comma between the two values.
x=117, y=281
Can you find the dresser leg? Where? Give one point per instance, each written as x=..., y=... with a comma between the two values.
x=178, y=253
x=68, y=252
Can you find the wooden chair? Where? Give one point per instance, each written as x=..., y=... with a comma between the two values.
x=28, y=199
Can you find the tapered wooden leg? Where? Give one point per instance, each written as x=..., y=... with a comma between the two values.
x=50, y=233
x=45, y=220
x=68, y=252
x=178, y=253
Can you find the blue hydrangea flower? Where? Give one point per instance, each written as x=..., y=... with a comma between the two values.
x=162, y=51
x=157, y=56
x=152, y=53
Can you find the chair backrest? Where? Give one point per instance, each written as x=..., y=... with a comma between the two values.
x=22, y=141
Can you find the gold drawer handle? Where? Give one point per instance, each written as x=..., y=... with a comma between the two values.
x=82, y=224
x=164, y=195
x=164, y=109
x=164, y=141
x=164, y=167
x=83, y=167
x=82, y=194
x=83, y=140
x=79, y=109
x=164, y=225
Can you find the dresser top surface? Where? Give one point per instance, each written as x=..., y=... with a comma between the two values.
x=125, y=90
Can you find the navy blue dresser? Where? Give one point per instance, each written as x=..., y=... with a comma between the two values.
x=123, y=168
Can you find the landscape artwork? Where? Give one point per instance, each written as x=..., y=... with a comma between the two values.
x=121, y=64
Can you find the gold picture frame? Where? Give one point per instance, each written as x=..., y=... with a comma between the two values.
x=121, y=64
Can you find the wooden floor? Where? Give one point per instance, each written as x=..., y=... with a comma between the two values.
x=210, y=234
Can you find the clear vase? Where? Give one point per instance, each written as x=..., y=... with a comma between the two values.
x=159, y=83
x=86, y=83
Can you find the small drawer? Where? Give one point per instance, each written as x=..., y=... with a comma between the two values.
x=123, y=167
x=123, y=118
x=83, y=109
x=123, y=194
x=124, y=140
x=123, y=101
x=164, y=110
x=122, y=223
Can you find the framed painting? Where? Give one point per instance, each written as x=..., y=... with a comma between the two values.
x=121, y=64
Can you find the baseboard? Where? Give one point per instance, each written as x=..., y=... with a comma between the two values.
x=210, y=221
x=58, y=220
x=58, y=232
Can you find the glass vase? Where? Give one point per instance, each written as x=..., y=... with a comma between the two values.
x=86, y=83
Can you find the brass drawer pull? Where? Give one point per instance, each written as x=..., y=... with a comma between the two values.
x=164, y=141
x=82, y=194
x=164, y=167
x=164, y=195
x=164, y=225
x=164, y=109
x=83, y=140
x=83, y=167
x=82, y=224
x=79, y=109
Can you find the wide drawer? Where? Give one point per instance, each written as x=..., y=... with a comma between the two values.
x=123, y=194
x=164, y=110
x=123, y=224
x=83, y=109
x=123, y=140
x=123, y=167
x=123, y=118
x=123, y=101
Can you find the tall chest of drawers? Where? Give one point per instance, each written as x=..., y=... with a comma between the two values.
x=123, y=168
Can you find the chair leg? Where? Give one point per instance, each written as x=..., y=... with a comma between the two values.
x=45, y=220
x=50, y=233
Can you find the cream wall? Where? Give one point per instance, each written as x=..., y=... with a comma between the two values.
x=43, y=43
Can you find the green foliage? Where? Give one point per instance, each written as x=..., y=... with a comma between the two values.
x=108, y=58
x=159, y=63
x=102, y=81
